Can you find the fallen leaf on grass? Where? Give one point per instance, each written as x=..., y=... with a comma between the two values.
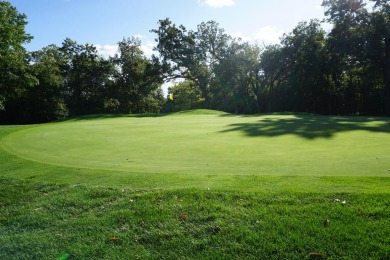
x=183, y=216
x=114, y=238
x=315, y=255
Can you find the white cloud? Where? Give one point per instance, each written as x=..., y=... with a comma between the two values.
x=148, y=49
x=169, y=84
x=241, y=36
x=268, y=35
x=139, y=36
x=109, y=50
x=217, y=3
x=106, y=50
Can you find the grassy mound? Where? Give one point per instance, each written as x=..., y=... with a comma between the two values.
x=46, y=221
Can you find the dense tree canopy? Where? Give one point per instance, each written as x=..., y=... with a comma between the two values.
x=343, y=71
x=185, y=96
x=13, y=57
x=137, y=79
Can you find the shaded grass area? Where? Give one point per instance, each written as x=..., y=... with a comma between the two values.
x=180, y=113
x=47, y=221
x=309, y=126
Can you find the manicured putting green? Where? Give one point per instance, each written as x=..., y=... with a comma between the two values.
x=212, y=143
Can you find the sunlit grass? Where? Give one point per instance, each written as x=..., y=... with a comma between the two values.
x=212, y=144
x=48, y=221
x=51, y=209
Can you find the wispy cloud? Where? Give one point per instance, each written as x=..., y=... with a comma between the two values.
x=268, y=35
x=106, y=50
x=109, y=50
x=241, y=36
x=139, y=36
x=217, y=3
x=148, y=49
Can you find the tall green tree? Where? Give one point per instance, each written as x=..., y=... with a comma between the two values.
x=306, y=84
x=381, y=20
x=347, y=42
x=275, y=62
x=186, y=95
x=236, y=74
x=86, y=75
x=45, y=101
x=137, y=80
x=359, y=44
x=191, y=55
x=15, y=76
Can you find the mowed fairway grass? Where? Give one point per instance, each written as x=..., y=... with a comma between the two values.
x=196, y=184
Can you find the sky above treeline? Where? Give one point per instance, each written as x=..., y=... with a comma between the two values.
x=104, y=23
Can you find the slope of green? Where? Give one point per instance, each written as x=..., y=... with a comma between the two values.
x=212, y=144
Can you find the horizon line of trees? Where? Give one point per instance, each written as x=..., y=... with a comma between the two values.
x=345, y=71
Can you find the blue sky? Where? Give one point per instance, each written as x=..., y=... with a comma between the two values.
x=105, y=22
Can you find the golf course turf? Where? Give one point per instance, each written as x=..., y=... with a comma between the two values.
x=217, y=144
x=196, y=184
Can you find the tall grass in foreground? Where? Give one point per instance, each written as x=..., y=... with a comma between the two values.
x=48, y=221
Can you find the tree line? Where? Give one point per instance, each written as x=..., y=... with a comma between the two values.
x=344, y=71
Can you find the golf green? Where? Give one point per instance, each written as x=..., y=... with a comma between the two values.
x=212, y=143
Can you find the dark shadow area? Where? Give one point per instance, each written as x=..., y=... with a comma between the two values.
x=310, y=126
x=108, y=116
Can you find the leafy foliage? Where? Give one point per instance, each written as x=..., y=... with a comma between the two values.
x=137, y=79
x=15, y=75
x=345, y=71
x=186, y=96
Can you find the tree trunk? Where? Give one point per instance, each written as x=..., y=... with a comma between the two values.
x=387, y=76
x=269, y=105
x=271, y=96
x=257, y=105
x=205, y=95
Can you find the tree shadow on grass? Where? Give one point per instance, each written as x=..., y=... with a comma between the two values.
x=309, y=126
x=108, y=116
x=119, y=115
